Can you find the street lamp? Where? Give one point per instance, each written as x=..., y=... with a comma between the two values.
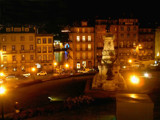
x=33, y=70
x=130, y=60
x=2, y=92
x=55, y=65
x=66, y=66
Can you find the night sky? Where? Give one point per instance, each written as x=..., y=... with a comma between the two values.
x=52, y=13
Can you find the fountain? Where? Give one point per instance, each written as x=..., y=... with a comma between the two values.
x=108, y=78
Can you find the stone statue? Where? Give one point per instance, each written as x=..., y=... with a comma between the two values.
x=108, y=77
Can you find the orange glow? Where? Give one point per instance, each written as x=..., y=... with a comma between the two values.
x=2, y=90
x=33, y=69
x=55, y=63
x=135, y=80
x=130, y=60
x=67, y=65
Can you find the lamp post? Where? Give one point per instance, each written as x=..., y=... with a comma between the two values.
x=33, y=70
x=66, y=66
x=55, y=65
x=2, y=92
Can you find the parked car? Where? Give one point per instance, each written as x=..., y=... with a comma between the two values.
x=42, y=73
x=11, y=76
x=26, y=74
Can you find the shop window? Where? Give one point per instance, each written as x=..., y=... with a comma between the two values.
x=78, y=65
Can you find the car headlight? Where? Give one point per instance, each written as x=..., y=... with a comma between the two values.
x=146, y=75
x=134, y=79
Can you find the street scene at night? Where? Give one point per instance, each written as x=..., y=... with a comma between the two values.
x=63, y=60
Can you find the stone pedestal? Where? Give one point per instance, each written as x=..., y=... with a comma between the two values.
x=108, y=78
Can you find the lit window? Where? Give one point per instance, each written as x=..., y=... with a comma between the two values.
x=38, y=41
x=78, y=65
x=44, y=40
x=78, y=38
x=77, y=29
x=84, y=64
x=89, y=46
x=83, y=38
x=89, y=38
x=14, y=69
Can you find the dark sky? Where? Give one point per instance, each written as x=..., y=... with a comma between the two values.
x=56, y=12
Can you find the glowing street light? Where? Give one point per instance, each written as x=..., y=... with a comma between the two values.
x=67, y=65
x=33, y=70
x=130, y=60
x=134, y=80
x=2, y=92
x=55, y=63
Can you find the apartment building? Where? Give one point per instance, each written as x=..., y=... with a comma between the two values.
x=44, y=52
x=81, y=42
x=17, y=48
x=125, y=33
x=146, y=46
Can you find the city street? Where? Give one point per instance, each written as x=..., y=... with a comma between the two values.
x=36, y=95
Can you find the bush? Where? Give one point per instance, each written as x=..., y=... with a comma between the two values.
x=70, y=103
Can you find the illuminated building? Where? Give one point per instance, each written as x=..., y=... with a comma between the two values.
x=81, y=52
x=146, y=44
x=157, y=43
x=17, y=46
x=125, y=33
x=21, y=49
x=44, y=52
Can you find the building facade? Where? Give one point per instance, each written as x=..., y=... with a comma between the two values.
x=146, y=46
x=81, y=42
x=44, y=52
x=17, y=46
x=21, y=49
x=125, y=33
